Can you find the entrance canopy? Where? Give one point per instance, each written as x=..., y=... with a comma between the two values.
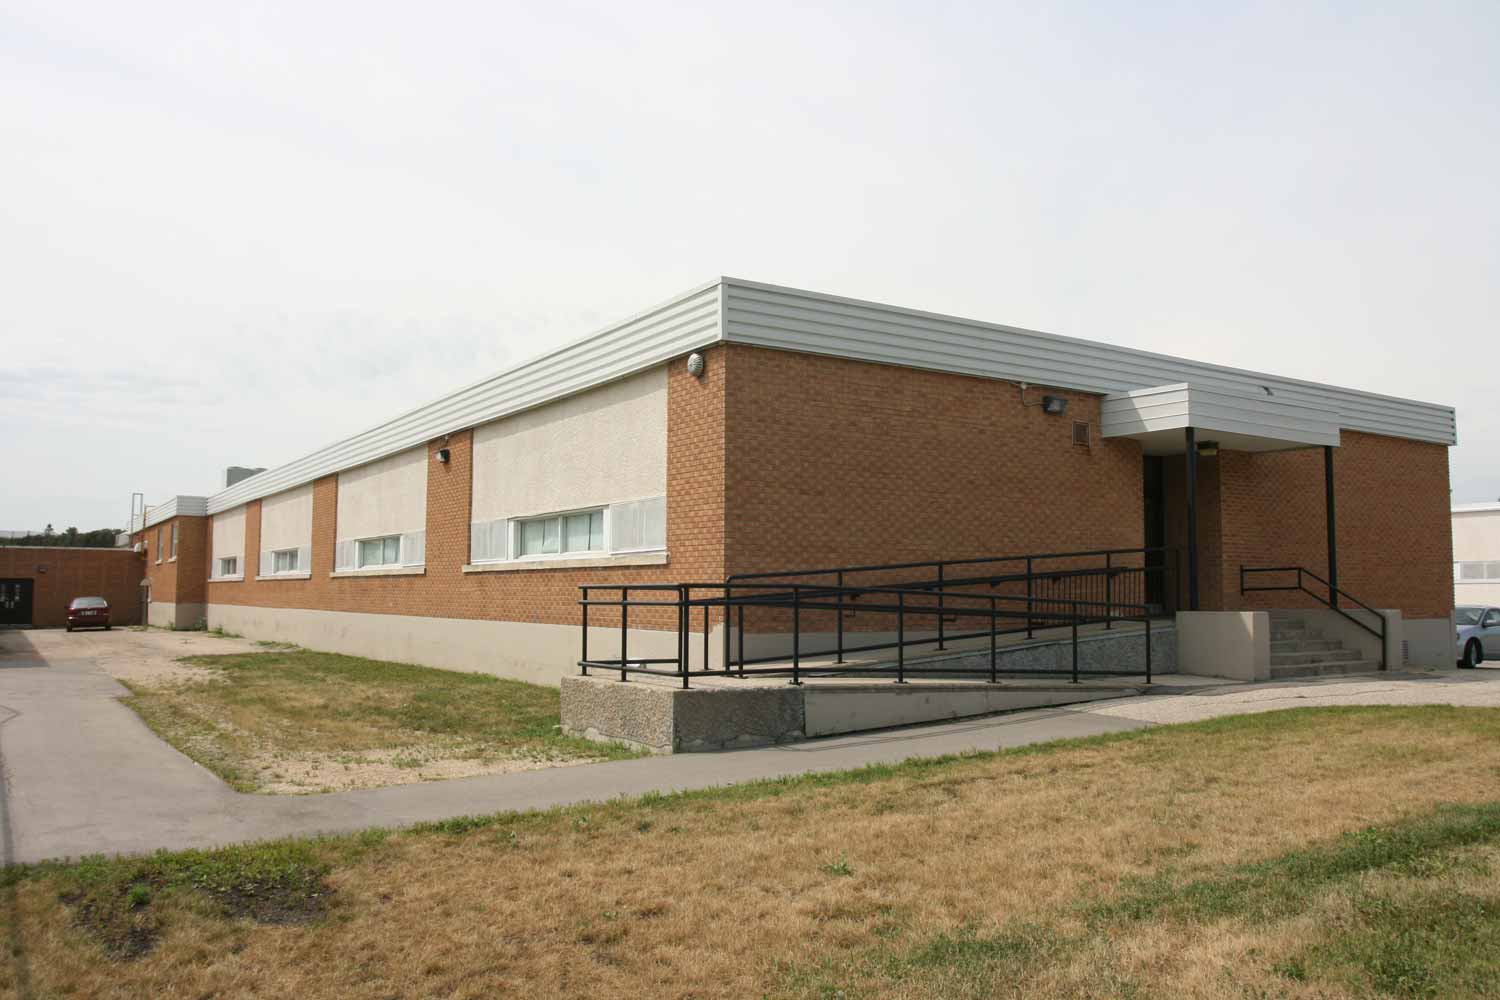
x=1159, y=418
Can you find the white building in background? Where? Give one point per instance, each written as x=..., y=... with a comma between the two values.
x=1476, y=553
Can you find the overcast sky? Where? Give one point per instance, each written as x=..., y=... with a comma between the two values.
x=233, y=233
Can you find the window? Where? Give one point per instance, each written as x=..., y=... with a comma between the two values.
x=1475, y=572
x=229, y=566
x=561, y=534
x=1491, y=619
x=379, y=551
x=160, y=535
x=284, y=561
x=174, y=539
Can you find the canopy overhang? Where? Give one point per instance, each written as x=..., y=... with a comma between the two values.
x=1160, y=416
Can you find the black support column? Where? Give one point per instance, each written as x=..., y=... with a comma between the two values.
x=1192, y=517
x=1333, y=544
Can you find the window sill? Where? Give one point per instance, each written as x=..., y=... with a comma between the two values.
x=285, y=576
x=381, y=571
x=226, y=579
x=587, y=562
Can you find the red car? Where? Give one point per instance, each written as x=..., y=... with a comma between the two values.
x=88, y=612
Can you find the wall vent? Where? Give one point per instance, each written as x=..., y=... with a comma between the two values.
x=1081, y=434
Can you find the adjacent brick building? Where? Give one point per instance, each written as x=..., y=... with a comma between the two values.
x=47, y=578
x=745, y=428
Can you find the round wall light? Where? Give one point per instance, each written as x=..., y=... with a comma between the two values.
x=695, y=365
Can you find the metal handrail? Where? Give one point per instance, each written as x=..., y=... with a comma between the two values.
x=1331, y=602
x=797, y=598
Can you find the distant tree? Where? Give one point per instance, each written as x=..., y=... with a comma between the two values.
x=102, y=538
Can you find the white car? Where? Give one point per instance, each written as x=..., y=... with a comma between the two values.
x=1478, y=629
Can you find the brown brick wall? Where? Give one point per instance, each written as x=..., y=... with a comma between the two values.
x=835, y=462
x=1395, y=537
x=695, y=502
x=61, y=574
x=185, y=579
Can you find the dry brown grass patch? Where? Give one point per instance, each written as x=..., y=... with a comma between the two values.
x=971, y=877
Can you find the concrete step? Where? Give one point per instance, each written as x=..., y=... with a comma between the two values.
x=1314, y=656
x=1291, y=634
x=1302, y=645
x=1325, y=669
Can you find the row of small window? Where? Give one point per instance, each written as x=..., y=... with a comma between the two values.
x=638, y=526
x=160, y=535
x=1475, y=572
x=368, y=552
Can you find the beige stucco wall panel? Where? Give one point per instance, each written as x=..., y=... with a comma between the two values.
x=286, y=519
x=229, y=537
x=387, y=497
x=1232, y=644
x=608, y=445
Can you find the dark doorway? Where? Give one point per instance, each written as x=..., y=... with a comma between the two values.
x=1153, y=485
x=15, y=602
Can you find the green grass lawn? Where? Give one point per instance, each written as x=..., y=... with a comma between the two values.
x=1315, y=853
x=292, y=720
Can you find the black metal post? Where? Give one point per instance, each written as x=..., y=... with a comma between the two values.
x=583, y=661
x=1192, y=518
x=705, y=638
x=1109, y=588
x=1148, y=649
x=796, y=635
x=685, y=617
x=994, y=628
x=901, y=638
x=1333, y=544
x=841, y=618
x=940, y=605
x=1028, y=597
x=726, y=628
x=625, y=631
x=741, y=638
x=1075, y=646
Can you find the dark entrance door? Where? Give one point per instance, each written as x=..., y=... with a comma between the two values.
x=1153, y=486
x=15, y=602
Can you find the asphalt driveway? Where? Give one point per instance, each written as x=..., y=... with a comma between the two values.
x=83, y=775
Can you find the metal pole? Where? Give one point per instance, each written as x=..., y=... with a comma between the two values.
x=1075, y=647
x=726, y=627
x=684, y=623
x=1148, y=650
x=583, y=661
x=1192, y=518
x=901, y=638
x=1028, y=597
x=940, y=605
x=796, y=635
x=625, y=630
x=841, y=618
x=705, y=638
x=1109, y=588
x=1333, y=544
x=994, y=627
x=741, y=639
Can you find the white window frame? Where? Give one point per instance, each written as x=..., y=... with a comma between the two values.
x=160, y=538
x=518, y=525
x=1489, y=571
x=359, y=544
x=295, y=566
x=232, y=571
x=174, y=541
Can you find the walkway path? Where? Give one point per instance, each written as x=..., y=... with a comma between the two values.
x=82, y=774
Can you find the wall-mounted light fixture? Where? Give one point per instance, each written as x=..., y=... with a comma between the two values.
x=695, y=365
x=1054, y=405
x=1208, y=449
x=443, y=455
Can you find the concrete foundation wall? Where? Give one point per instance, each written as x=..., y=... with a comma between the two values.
x=1332, y=625
x=537, y=653
x=1429, y=642
x=165, y=614
x=1232, y=644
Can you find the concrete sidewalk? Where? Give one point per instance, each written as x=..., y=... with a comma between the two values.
x=83, y=774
